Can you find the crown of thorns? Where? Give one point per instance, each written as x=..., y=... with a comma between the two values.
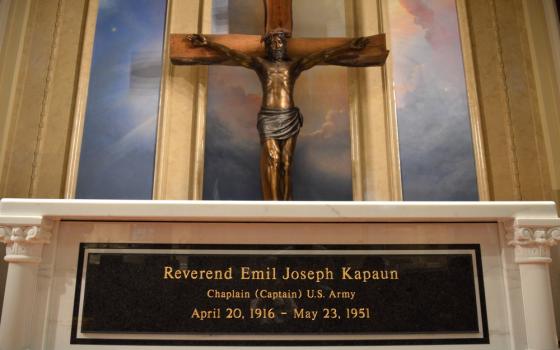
x=281, y=33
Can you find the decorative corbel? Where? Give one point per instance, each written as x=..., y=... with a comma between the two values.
x=24, y=243
x=532, y=240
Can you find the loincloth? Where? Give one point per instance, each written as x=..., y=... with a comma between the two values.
x=279, y=124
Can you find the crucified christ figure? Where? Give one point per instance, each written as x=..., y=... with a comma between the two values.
x=278, y=66
x=279, y=120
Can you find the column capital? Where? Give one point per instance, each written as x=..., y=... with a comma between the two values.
x=532, y=239
x=24, y=243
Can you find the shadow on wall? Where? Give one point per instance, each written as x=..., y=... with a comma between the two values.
x=3, y=275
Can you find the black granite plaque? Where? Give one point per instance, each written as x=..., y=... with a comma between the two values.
x=273, y=295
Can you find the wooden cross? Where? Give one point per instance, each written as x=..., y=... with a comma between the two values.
x=279, y=120
x=278, y=15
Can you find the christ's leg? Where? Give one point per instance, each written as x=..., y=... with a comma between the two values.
x=270, y=169
x=288, y=147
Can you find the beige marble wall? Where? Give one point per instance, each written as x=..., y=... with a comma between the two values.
x=517, y=164
x=518, y=104
x=13, y=24
x=543, y=30
x=35, y=157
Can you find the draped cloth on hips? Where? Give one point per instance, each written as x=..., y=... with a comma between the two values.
x=279, y=124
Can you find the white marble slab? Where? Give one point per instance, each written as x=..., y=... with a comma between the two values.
x=19, y=209
x=490, y=224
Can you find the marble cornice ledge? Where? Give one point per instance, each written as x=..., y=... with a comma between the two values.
x=532, y=239
x=24, y=242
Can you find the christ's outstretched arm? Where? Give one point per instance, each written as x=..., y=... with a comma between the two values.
x=314, y=59
x=240, y=58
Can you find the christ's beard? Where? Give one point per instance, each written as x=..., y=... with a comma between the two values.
x=277, y=55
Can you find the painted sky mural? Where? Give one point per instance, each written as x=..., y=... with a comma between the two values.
x=322, y=163
x=118, y=147
x=435, y=138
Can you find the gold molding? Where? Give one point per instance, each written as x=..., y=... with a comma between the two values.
x=44, y=115
x=512, y=156
x=394, y=159
x=473, y=103
x=81, y=100
x=179, y=153
x=375, y=160
x=5, y=9
x=358, y=170
x=199, y=132
x=160, y=129
x=201, y=98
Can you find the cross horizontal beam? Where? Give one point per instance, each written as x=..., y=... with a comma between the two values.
x=183, y=53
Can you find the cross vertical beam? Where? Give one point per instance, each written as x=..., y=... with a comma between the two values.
x=278, y=16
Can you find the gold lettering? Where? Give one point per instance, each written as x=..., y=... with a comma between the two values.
x=167, y=272
x=195, y=314
x=248, y=274
x=206, y=314
x=345, y=274
x=366, y=275
x=311, y=275
x=257, y=275
x=170, y=273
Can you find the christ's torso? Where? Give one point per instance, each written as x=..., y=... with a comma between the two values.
x=277, y=79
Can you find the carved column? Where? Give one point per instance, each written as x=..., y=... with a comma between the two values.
x=24, y=245
x=532, y=241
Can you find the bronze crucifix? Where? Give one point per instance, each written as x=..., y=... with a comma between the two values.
x=278, y=61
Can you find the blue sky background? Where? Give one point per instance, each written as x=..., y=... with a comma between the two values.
x=118, y=148
x=435, y=137
x=322, y=161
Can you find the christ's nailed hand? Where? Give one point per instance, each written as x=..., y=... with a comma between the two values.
x=197, y=40
x=359, y=43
